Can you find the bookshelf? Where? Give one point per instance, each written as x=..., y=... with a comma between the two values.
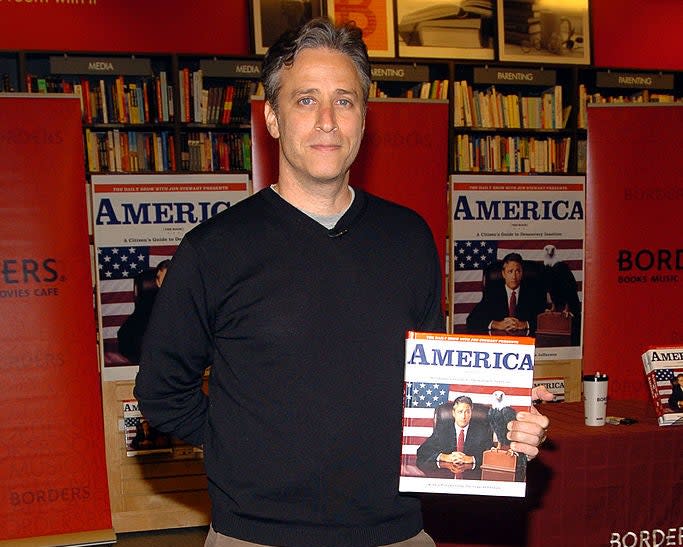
x=505, y=117
x=512, y=119
x=155, y=113
x=214, y=112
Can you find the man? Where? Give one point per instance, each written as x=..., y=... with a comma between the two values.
x=676, y=398
x=132, y=331
x=299, y=298
x=512, y=306
x=442, y=449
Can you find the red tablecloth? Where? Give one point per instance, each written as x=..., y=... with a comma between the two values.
x=590, y=486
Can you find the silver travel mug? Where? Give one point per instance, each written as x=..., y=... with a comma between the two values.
x=595, y=398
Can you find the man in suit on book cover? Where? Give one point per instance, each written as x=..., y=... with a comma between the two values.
x=457, y=444
x=512, y=306
x=676, y=398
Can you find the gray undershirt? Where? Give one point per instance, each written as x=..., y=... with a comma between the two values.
x=328, y=221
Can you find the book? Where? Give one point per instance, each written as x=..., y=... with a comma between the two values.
x=140, y=437
x=664, y=372
x=449, y=33
x=444, y=376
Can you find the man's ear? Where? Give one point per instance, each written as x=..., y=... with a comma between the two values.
x=271, y=121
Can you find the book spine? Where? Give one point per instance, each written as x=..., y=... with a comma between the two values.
x=164, y=96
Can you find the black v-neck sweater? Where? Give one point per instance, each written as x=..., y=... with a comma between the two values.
x=304, y=329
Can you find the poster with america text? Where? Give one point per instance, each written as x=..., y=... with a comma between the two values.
x=538, y=220
x=460, y=393
x=138, y=222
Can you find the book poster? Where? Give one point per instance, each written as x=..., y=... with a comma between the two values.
x=464, y=29
x=541, y=219
x=138, y=222
x=634, y=256
x=469, y=387
x=53, y=475
x=140, y=437
x=374, y=17
x=556, y=386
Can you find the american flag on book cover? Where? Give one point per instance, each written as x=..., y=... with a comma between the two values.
x=422, y=398
x=470, y=257
x=117, y=268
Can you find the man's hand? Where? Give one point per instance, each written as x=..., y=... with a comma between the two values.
x=456, y=458
x=509, y=324
x=530, y=428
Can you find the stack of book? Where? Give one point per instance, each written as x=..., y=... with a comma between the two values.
x=454, y=24
x=522, y=22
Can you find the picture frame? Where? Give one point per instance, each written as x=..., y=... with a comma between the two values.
x=271, y=18
x=374, y=17
x=544, y=31
x=453, y=30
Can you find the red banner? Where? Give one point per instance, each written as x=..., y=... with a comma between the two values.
x=178, y=26
x=634, y=253
x=53, y=479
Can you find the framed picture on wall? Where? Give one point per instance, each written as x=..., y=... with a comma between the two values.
x=375, y=17
x=544, y=31
x=459, y=29
x=270, y=18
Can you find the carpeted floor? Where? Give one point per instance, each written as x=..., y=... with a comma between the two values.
x=178, y=537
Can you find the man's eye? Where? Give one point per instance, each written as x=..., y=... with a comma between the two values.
x=344, y=102
x=306, y=101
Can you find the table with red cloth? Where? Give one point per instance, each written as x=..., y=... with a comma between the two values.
x=614, y=485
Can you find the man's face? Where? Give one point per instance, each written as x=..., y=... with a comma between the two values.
x=462, y=412
x=679, y=379
x=320, y=118
x=512, y=274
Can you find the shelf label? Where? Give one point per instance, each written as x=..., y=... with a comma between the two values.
x=634, y=80
x=119, y=66
x=224, y=68
x=516, y=76
x=400, y=73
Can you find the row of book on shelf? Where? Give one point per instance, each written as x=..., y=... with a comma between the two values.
x=151, y=99
x=491, y=108
x=641, y=96
x=511, y=154
x=208, y=152
x=114, y=100
x=204, y=103
x=129, y=151
x=118, y=151
x=436, y=89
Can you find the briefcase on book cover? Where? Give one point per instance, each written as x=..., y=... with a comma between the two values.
x=498, y=465
x=553, y=322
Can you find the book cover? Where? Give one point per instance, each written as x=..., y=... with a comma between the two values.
x=138, y=222
x=459, y=394
x=140, y=437
x=664, y=372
